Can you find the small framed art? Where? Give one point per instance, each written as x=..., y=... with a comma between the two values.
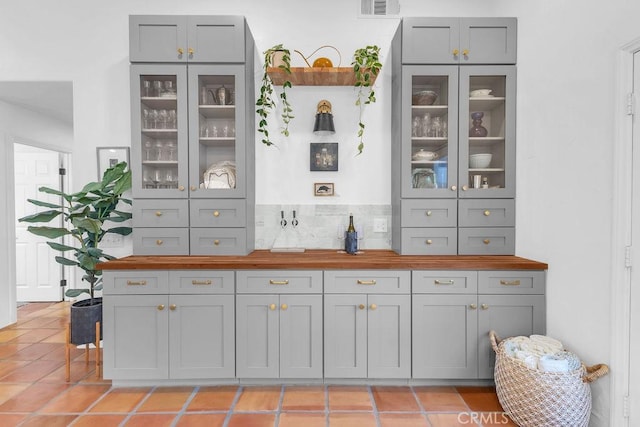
x=323, y=156
x=111, y=156
x=323, y=189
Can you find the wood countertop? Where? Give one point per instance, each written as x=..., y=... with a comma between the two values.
x=324, y=259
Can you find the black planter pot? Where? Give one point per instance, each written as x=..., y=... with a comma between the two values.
x=84, y=315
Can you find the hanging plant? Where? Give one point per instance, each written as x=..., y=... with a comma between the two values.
x=366, y=66
x=265, y=102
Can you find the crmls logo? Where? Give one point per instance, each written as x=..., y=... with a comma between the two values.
x=483, y=418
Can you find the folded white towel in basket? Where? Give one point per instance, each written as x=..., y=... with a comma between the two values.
x=553, y=363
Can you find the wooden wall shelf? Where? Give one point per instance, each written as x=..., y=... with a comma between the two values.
x=308, y=76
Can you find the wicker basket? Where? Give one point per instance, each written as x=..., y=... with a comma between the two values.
x=533, y=398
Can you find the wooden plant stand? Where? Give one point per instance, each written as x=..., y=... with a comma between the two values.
x=68, y=345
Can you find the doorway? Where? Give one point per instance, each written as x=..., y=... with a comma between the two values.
x=38, y=275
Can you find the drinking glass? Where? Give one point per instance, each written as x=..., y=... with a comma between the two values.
x=169, y=88
x=157, y=88
x=159, y=150
x=170, y=148
x=148, y=151
x=173, y=122
x=146, y=119
x=426, y=125
x=153, y=119
x=163, y=117
x=146, y=88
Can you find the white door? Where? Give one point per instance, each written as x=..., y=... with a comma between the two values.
x=634, y=327
x=37, y=273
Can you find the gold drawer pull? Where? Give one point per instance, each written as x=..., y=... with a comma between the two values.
x=366, y=282
x=487, y=212
x=201, y=282
x=510, y=282
x=443, y=282
x=429, y=241
x=456, y=52
x=429, y=213
x=465, y=187
x=191, y=51
x=473, y=306
x=172, y=307
x=159, y=242
x=136, y=283
x=486, y=241
x=181, y=188
x=272, y=307
x=193, y=188
x=158, y=213
x=216, y=242
x=180, y=51
x=465, y=52
x=216, y=214
x=161, y=307
x=373, y=306
x=284, y=306
x=454, y=188
x=278, y=282
x=361, y=306
x=484, y=306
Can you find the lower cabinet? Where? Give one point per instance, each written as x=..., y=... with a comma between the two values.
x=168, y=336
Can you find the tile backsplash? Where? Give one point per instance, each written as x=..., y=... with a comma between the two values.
x=321, y=226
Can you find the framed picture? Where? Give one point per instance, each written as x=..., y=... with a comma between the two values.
x=323, y=189
x=324, y=156
x=111, y=156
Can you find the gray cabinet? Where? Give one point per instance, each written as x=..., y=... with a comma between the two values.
x=454, y=311
x=279, y=324
x=170, y=38
x=456, y=136
x=367, y=318
x=459, y=40
x=193, y=134
x=163, y=336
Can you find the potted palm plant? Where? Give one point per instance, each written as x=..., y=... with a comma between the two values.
x=86, y=217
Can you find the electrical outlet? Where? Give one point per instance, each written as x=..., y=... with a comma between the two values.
x=379, y=225
x=112, y=240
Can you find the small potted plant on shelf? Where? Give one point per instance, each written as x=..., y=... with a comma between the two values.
x=279, y=57
x=85, y=216
x=366, y=66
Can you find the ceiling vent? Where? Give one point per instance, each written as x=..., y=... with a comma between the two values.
x=379, y=7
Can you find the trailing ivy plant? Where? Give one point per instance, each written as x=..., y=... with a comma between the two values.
x=366, y=66
x=265, y=102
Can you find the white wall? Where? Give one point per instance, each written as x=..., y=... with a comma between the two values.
x=566, y=79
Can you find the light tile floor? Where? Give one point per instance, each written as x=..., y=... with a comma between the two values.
x=33, y=392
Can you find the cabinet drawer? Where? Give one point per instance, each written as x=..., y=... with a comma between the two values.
x=444, y=282
x=218, y=213
x=160, y=213
x=367, y=281
x=279, y=281
x=429, y=241
x=161, y=241
x=486, y=241
x=135, y=282
x=487, y=213
x=201, y=282
x=218, y=241
x=511, y=282
x=428, y=213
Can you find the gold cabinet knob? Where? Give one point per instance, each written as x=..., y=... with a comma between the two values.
x=216, y=214
x=429, y=241
x=465, y=52
x=191, y=51
x=193, y=188
x=455, y=52
x=361, y=306
x=158, y=213
x=484, y=306
x=473, y=306
x=454, y=188
x=429, y=213
x=180, y=51
x=172, y=307
x=373, y=306
x=159, y=242
x=284, y=306
x=487, y=212
x=465, y=187
x=486, y=241
x=216, y=242
x=181, y=188
x=161, y=307
x=272, y=307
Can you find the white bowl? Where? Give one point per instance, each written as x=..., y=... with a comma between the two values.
x=480, y=93
x=425, y=155
x=480, y=161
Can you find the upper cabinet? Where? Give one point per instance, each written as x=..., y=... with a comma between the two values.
x=459, y=40
x=167, y=38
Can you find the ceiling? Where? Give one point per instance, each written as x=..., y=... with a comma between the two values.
x=54, y=99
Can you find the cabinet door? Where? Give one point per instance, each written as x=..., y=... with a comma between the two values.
x=430, y=142
x=445, y=338
x=345, y=336
x=137, y=330
x=202, y=342
x=488, y=40
x=159, y=131
x=508, y=315
x=487, y=131
x=257, y=336
x=301, y=336
x=389, y=336
x=216, y=38
x=216, y=131
x=158, y=38
x=430, y=40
